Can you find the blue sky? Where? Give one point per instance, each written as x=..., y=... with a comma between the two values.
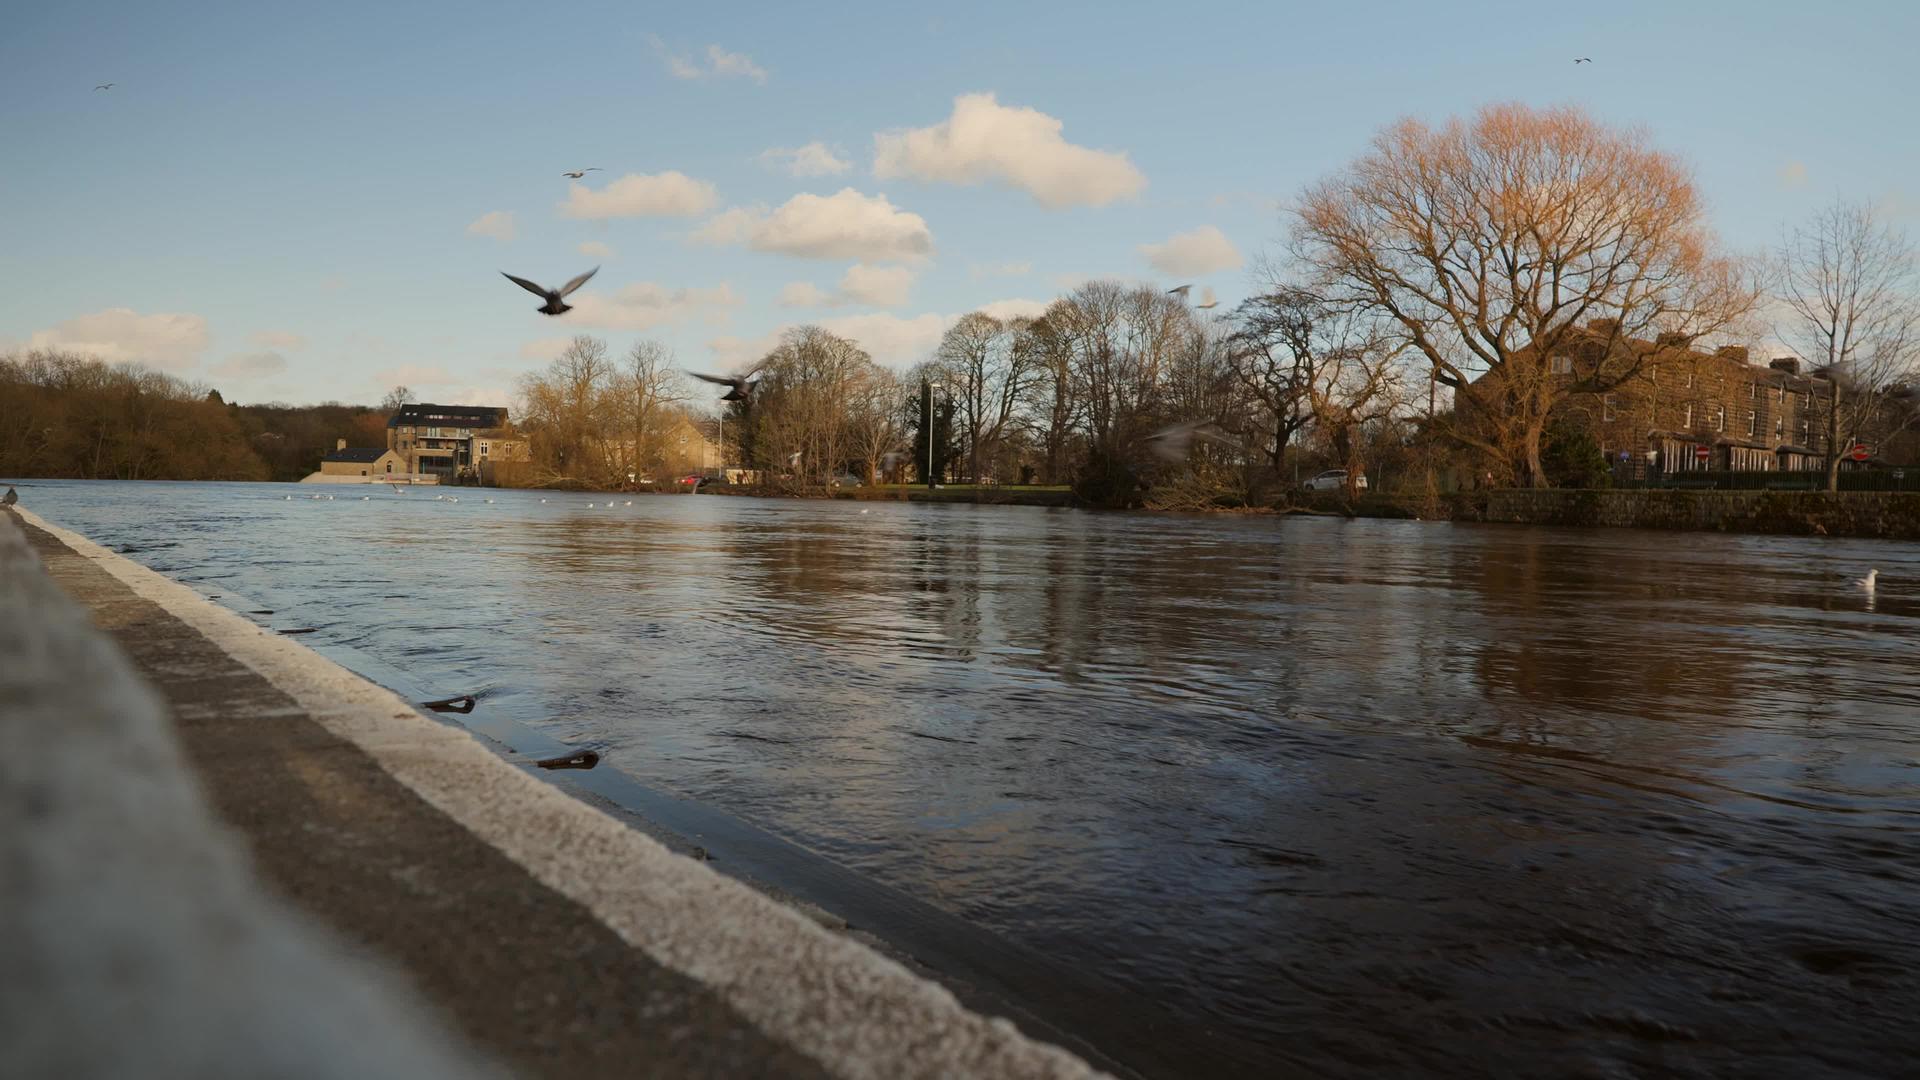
x=308, y=202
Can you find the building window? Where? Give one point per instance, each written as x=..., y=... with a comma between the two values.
x=1719, y=418
x=1803, y=433
x=1691, y=376
x=1561, y=365
x=1606, y=408
x=1753, y=423
x=1779, y=427
x=1686, y=424
x=1783, y=393
x=483, y=449
x=1754, y=392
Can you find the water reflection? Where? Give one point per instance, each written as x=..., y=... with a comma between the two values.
x=1354, y=796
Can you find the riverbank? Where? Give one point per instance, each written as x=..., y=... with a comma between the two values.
x=551, y=936
x=1878, y=515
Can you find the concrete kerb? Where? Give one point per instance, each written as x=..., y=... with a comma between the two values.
x=134, y=939
x=858, y=1013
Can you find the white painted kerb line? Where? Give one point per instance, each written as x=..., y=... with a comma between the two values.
x=855, y=1011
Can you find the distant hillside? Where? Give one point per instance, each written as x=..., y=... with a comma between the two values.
x=74, y=417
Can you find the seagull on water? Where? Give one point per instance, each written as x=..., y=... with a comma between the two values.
x=578, y=173
x=1867, y=582
x=1172, y=442
x=555, y=298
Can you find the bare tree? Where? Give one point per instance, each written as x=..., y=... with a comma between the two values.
x=395, y=398
x=565, y=408
x=986, y=372
x=1851, y=285
x=1273, y=353
x=1496, y=245
x=877, y=424
x=1052, y=408
x=648, y=388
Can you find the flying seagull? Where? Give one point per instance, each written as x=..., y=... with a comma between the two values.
x=578, y=173
x=1180, y=292
x=104, y=86
x=741, y=385
x=1172, y=442
x=1584, y=60
x=552, y=296
x=1207, y=299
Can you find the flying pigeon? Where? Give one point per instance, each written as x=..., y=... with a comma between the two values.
x=1207, y=299
x=552, y=297
x=578, y=173
x=741, y=384
x=1180, y=292
x=1584, y=60
x=1172, y=442
x=104, y=86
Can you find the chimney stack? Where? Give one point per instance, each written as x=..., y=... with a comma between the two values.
x=1736, y=353
x=339, y=444
x=1788, y=364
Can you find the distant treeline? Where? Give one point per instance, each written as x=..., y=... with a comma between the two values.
x=74, y=417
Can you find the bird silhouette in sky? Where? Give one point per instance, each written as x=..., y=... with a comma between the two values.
x=578, y=173
x=553, y=297
x=1584, y=60
x=1207, y=299
x=741, y=385
x=1179, y=291
x=104, y=86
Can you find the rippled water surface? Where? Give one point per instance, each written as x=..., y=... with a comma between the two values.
x=1350, y=797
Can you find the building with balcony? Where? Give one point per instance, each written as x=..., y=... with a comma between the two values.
x=454, y=443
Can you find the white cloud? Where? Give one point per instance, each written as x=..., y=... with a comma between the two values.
x=733, y=353
x=497, y=224
x=1015, y=309
x=844, y=225
x=250, y=365
x=171, y=342
x=720, y=63
x=892, y=339
x=813, y=159
x=413, y=376
x=544, y=348
x=645, y=305
x=803, y=294
x=668, y=194
x=1006, y=269
x=1204, y=250
x=1793, y=174
x=594, y=249
x=880, y=286
x=985, y=140
x=277, y=339
x=732, y=63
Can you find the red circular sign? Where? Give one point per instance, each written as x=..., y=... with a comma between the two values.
x=1703, y=452
x=1860, y=452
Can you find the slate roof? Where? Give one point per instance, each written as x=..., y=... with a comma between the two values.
x=359, y=455
x=427, y=414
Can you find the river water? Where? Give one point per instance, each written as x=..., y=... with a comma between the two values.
x=1347, y=797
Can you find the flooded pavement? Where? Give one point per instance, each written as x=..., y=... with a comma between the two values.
x=1350, y=798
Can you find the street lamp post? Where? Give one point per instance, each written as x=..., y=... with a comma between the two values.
x=931, y=387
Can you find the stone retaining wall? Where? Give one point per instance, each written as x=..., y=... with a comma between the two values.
x=1885, y=515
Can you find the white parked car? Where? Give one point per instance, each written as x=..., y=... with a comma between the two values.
x=1335, y=480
